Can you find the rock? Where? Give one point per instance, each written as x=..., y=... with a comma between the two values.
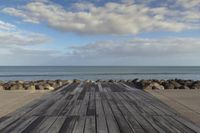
x=17, y=87
x=195, y=86
x=1, y=82
x=188, y=83
x=19, y=82
x=48, y=87
x=154, y=86
x=6, y=86
x=98, y=80
x=135, y=80
x=176, y=84
x=88, y=81
x=1, y=87
x=121, y=81
x=168, y=85
x=65, y=82
x=59, y=82
x=129, y=81
x=111, y=81
x=11, y=83
x=184, y=87
x=39, y=87
x=76, y=81
x=31, y=87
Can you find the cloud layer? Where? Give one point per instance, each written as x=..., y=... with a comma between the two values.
x=6, y=26
x=111, y=18
x=11, y=35
x=138, y=47
x=14, y=46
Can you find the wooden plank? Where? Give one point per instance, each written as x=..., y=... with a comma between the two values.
x=140, y=119
x=179, y=126
x=90, y=125
x=187, y=123
x=135, y=126
x=141, y=105
x=68, y=125
x=20, y=125
x=111, y=122
x=44, y=125
x=84, y=106
x=122, y=123
x=56, y=126
x=100, y=116
x=33, y=125
x=80, y=125
x=100, y=87
x=165, y=125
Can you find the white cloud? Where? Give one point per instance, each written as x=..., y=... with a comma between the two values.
x=138, y=47
x=6, y=26
x=11, y=35
x=22, y=38
x=189, y=3
x=112, y=18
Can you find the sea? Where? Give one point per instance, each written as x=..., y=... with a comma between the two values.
x=98, y=72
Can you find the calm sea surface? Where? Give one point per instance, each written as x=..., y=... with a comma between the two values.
x=93, y=72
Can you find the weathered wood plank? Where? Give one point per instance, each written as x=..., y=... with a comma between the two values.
x=90, y=125
x=100, y=116
x=122, y=123
x=111, y=122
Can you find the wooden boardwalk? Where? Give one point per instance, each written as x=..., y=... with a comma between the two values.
x=96, y=108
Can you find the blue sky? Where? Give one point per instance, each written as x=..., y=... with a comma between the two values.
x=100, y=32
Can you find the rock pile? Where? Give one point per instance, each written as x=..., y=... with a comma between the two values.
x=32, y=85
x=164, y=84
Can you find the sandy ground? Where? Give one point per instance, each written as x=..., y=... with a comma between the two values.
x=186, y=102
x=12, y=100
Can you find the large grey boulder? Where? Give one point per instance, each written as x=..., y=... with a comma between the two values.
x=39, y=87
x=154, y=86
x=1, y=87
x=48, y=87
x=168, y=85
x=76, y=81
x=17, y=87
x=31, y=87
x=19, y=82
x=184, y=87
x=195, y=85
x=176, y=84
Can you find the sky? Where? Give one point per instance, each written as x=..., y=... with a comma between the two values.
x=100, y=32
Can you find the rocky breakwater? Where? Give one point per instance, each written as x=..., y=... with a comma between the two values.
x=32, y=85
x=164, y=84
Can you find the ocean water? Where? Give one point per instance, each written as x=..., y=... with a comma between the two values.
x=94, y=72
